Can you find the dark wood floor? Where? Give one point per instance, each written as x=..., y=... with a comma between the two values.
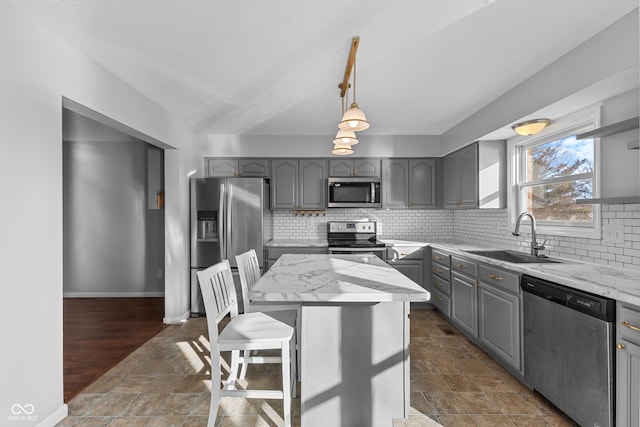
x=100, y=332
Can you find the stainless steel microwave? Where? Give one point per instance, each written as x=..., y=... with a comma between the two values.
x=354, y=192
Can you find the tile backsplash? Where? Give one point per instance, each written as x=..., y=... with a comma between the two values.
x=490, y=227
x=487, y=227
x=417, y=225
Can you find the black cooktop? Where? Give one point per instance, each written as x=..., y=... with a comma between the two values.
x=354, y=243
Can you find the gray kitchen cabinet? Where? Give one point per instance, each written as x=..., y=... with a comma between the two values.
x=313, y=184
x=422, y=183
x=461, y=178
x=499, y=314
x=354, y=167
x=222, y=167
x=298, y=184
x=411, y=269
x=484, y=302
x=627, y=365
x=475, y=176
x=258, y=168
x=409, y=260
x=464, y=303
x=440, y=281
x=284, y=184
x=216, y=167
x=409, y=183
x=273, y=253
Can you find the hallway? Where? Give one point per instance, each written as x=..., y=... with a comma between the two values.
x=100, y=332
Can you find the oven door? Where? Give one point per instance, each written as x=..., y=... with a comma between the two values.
x=380, y=252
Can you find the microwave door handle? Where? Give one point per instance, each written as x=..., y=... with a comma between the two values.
x=373, y=192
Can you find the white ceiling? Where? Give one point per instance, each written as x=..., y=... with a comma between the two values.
x=272, y=67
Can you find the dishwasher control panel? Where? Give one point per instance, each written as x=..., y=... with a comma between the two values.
x=588, y=303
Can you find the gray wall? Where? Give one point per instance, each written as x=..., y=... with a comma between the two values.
x=113, y=242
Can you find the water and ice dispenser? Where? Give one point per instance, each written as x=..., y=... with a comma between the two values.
x=207, y=225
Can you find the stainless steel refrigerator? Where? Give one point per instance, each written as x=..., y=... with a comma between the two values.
x=227, y=219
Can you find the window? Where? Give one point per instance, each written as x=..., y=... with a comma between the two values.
x=552, y=172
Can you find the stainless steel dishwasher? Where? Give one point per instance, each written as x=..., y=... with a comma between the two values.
x=568, y=346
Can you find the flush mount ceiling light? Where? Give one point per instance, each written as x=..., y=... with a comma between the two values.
x=353, y=119
x=530, y=127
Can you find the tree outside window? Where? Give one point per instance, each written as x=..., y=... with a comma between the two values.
x=553, y=175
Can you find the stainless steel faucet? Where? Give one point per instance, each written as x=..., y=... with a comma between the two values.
x=534, y=240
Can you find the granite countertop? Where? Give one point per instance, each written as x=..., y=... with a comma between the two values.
x=335, y=278
x=304, y=243
x=611, y=282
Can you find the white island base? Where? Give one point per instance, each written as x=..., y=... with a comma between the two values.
x=354, y=337
x=355, y=364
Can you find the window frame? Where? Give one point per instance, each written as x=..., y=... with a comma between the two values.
x=571, y=125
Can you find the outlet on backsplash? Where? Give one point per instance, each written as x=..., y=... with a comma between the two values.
x=613, y=233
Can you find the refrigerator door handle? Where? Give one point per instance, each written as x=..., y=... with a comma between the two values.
x=228, y=215
x=221, y=222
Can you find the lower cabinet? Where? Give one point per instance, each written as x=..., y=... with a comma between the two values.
x=412, y=269
x=408, y=260
x=628, y=365
x=484, y=302
x=464, y=303
x=272, y=253
x=499, y=323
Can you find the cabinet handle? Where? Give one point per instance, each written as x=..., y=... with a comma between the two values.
x=438, y=257
x=479, y=285
x=401, y=254
x=494, y=277
x=438, y=270
x=438, y=283
x=439, y=298
x=630, y=326
x=620, y=346
x=461, y=266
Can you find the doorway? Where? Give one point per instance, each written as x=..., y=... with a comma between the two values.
x=113, y=247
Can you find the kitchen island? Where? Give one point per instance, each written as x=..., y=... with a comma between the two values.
x=354, y=337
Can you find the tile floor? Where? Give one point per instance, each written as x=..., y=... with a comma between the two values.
x=166, y=383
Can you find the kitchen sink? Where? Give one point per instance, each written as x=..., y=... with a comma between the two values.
x=513, y=256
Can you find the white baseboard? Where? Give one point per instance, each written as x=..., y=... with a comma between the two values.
x=112, y=294
x=177, y=320
x=57, y=416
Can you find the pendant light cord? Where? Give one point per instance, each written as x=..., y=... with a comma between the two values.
x=354, y=79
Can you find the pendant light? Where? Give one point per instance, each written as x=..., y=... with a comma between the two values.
x=354, y=119
x=342, y=150
x=345, y=137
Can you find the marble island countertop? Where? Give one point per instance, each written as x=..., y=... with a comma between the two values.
x=611, y=282
x=293, y=243
x=319, y=243
x=335, y=278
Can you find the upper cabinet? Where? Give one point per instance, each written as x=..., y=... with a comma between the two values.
x=409, y=183
x=354, y=167
x=475, y=176
x=461, y=178
x=298, y=184
x=216, y=167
